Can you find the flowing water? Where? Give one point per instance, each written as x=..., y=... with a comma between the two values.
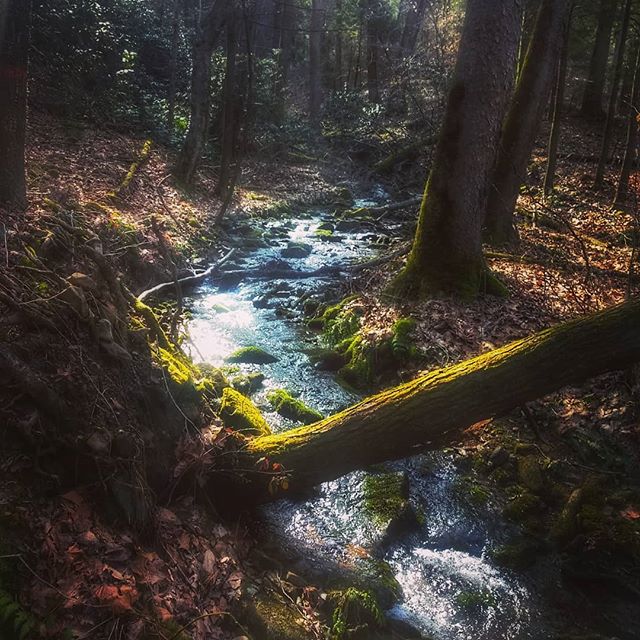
x=451, y=588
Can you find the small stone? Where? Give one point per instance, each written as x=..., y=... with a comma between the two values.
x=296, y=250
x=82, y=280
x=499, y=457
x=104, y=330
x=99, y=443
x=530, y=474
x=115, y=351
x=74, y=297
x=88, y=539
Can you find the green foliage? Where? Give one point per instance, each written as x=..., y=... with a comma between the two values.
x=356, y=612
x=15, y=622
x=339, y=322
x=402, y=346
x=289, y=407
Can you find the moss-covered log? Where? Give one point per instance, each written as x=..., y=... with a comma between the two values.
x=432, y=410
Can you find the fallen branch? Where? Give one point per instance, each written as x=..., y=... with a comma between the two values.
x=264, y=273
x=188, y=280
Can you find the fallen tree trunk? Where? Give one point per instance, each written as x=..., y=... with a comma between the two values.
x=432, y=410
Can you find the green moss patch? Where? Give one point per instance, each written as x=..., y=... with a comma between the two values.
x=520, y=554
x=247, y=383
x=239, y=413
x=251, y=355
x=356, y=615
x=385, y=497
x=289, y=407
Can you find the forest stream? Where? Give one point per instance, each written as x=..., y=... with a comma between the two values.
x=451, y=589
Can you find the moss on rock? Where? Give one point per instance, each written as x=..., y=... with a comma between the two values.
x=402, y=345
x=289, y=407
x=247, y=383
x=270, y=619
x=519, y=554
x=530, y=474
x=251, y=355
x=239, y=413
x=356, y=615
x=522, y=506
x=385, y=497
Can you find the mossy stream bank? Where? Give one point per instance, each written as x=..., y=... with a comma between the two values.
x=418, y=535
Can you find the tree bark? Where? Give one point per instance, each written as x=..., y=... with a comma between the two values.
x=558, y=103
x=191, y=154
x=173, y=67
x=611, y=109
x=447, y=250
x=524, y=118
x=315, y=61
x=432, y=410
x=372, y=9
x=594, y=89
x=631, y=145
x=412, y=24
x=15, y=18
x=230, y=112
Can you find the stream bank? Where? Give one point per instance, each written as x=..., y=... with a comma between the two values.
x=428, y=557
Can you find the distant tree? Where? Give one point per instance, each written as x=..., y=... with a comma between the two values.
x=173, y=65
x=231, y=107
x=631, y=146
x=594, y=89
x=613, y=94
x=373, y=9
x=208, y=28
x=523, y=120
x=412, y=19
x=447, y=249
x=315, y=59
x=15, y=17
x=556, y=119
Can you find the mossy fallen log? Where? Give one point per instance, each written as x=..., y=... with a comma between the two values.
x=432, y=410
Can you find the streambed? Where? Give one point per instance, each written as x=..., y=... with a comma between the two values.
x=451, y=588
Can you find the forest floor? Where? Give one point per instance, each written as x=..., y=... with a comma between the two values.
x=83, y=570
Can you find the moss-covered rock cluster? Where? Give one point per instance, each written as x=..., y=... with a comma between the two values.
x=239, y=413
x=251, y=355
x=292, y=408
x=360, y=358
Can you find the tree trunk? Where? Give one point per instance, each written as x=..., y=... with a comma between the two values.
x=611, y=109
x=193, y=147
x=447, y=249
x=558, y=103
x=412, y=25
x=594, y=89
x=315, y=61
x=229, y=124
x=373, y=86
x=173, y=66
x=632, y=137
x=15, y=18
x=432, y=410
x=524, y=118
